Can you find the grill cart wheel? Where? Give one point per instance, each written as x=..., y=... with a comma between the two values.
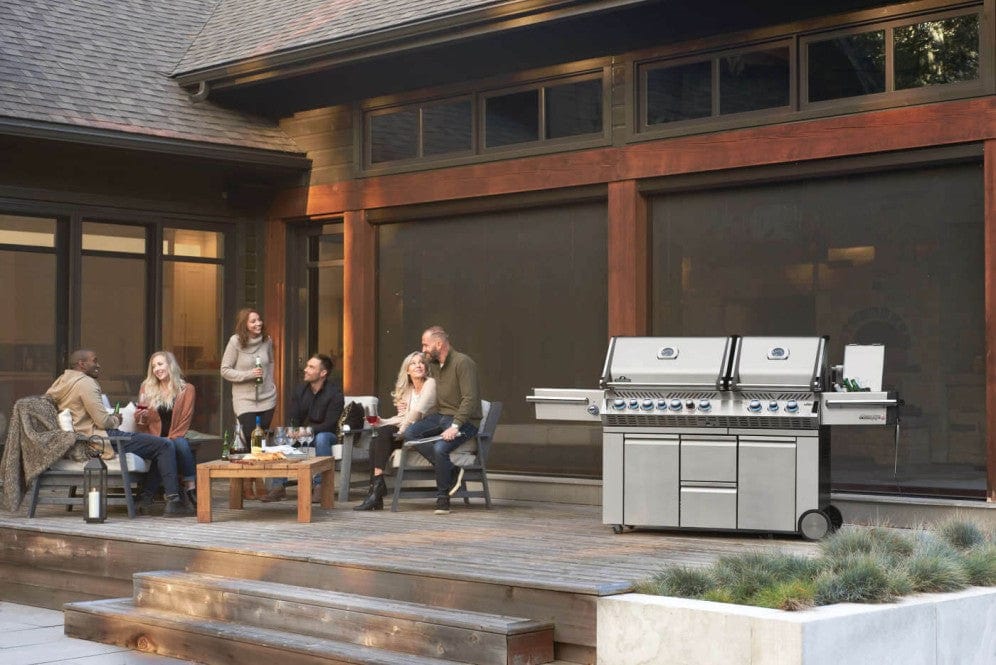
x=836, y=519
x=814, y=525
x=617, y=528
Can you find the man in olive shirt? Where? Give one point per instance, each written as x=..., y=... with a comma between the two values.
x=458, y=403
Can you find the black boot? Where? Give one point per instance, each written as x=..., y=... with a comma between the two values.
x=375, y=500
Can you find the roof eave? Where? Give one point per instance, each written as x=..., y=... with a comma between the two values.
x=146, y=142
x=433, y=32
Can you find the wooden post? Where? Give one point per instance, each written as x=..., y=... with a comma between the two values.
x=359, y=309
x=990, y=304
x=275, y=302
x=629, y=256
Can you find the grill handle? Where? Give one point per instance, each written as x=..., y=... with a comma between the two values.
x=542, y=399
x=861, y=402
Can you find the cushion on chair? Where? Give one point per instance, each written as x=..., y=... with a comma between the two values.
x=136, y=464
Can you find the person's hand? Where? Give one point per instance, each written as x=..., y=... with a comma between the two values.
x=450, y=433
x=257, y=372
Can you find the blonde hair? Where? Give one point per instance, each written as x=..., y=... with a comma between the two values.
x=403, y=386
x=157, y=395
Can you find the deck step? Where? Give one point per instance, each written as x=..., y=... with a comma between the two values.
x=119, y=621
x=403, y=628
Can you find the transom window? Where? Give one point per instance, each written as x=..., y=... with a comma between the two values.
x=913, y=57
x=558, y=110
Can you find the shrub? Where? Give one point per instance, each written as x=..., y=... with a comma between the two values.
x=936, y=566
x=961, y=534
x=680, y=581
x=746, y=575
x=980, y=564
x=797, y=594
x=864, y=580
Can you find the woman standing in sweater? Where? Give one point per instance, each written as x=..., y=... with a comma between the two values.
x=248, y=365
x=166, y=407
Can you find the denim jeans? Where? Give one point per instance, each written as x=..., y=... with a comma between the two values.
x=157, y=450
x=438, y=452
x=185, y=464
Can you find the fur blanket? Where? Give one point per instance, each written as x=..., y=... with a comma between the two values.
x=34, y=442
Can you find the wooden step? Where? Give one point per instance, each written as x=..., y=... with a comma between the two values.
x=404, y=627
x=119, y=621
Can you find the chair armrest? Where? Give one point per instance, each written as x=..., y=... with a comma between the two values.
x=416, y=442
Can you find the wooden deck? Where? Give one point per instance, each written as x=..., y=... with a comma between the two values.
x=542, y=561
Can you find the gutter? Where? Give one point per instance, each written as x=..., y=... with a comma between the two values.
x=452, y=28
x=182, y=147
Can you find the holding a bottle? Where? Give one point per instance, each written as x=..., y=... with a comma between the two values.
x=248, y=365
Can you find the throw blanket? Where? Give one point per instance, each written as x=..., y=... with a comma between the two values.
x=34, y=442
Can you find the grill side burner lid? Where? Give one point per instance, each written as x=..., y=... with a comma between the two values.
x=697, y=363
x=780, y=363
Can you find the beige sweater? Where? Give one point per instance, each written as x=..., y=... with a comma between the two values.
x=80, y=393
x=237, y=365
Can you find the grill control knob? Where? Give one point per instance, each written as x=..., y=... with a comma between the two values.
x=704, y=405
x=772, y=406
x=792, y=406
x=648, y=405
x=662, y=405
x=754, y=406
x=634, y=404
x=676, y=405
x=690, y=404
x=618, y=404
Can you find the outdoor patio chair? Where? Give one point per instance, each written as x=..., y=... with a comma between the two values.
x=355, y=447
x=413, y=470
x=63, y=481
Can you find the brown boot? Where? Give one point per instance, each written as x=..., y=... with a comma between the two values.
x=249, y=489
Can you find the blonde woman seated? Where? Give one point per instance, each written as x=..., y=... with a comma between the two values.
x=165, y=409
x=414, y=397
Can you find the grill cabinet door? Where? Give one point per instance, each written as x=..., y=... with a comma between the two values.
x=650, y=497
x=766, y=484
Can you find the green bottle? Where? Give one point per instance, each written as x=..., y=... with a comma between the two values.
x=226, y=445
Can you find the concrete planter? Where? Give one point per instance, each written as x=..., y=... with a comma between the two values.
x=928, y=629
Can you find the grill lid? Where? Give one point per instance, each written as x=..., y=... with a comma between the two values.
x=699, y=363
x=780, y=363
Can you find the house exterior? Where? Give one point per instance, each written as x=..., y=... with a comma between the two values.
x=535, y=176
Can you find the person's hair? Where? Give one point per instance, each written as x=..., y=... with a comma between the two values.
x=242, y=326
x=78, y=356
x=158, y=395
x=326, y=362
x=403, y=385
x=437, y=332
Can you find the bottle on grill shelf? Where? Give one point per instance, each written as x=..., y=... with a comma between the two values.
x=257, y=438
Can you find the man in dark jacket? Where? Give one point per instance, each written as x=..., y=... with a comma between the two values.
x=316, y=403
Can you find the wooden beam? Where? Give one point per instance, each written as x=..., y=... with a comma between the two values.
x=929, y=125
x=359, y=310
x=629, y=260
x=275, y=301
x=990, y=304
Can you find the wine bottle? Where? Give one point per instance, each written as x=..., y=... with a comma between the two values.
x=259, y=379
x=257, y=438
x=226, y=445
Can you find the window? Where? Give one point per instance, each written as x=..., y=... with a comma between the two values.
x=937, y=52
x=726, y=84
x=847, y=66
x=888, y=62
x=552, y=110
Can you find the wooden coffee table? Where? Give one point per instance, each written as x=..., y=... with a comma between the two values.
x=302, y=470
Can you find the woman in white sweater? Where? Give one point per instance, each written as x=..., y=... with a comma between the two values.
x=414, y=397
x=248, y=365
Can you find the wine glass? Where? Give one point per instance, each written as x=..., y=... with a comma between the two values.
x=280, y=436
x=308, y=436
x=372, y=414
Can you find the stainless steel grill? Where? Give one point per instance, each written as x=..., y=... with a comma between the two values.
x=717, y=432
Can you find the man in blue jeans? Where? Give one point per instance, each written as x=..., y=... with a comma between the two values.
x=316, y=403
x=458, y=400
x=77, y=390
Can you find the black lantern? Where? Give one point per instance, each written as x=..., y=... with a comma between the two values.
x=94, y=490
